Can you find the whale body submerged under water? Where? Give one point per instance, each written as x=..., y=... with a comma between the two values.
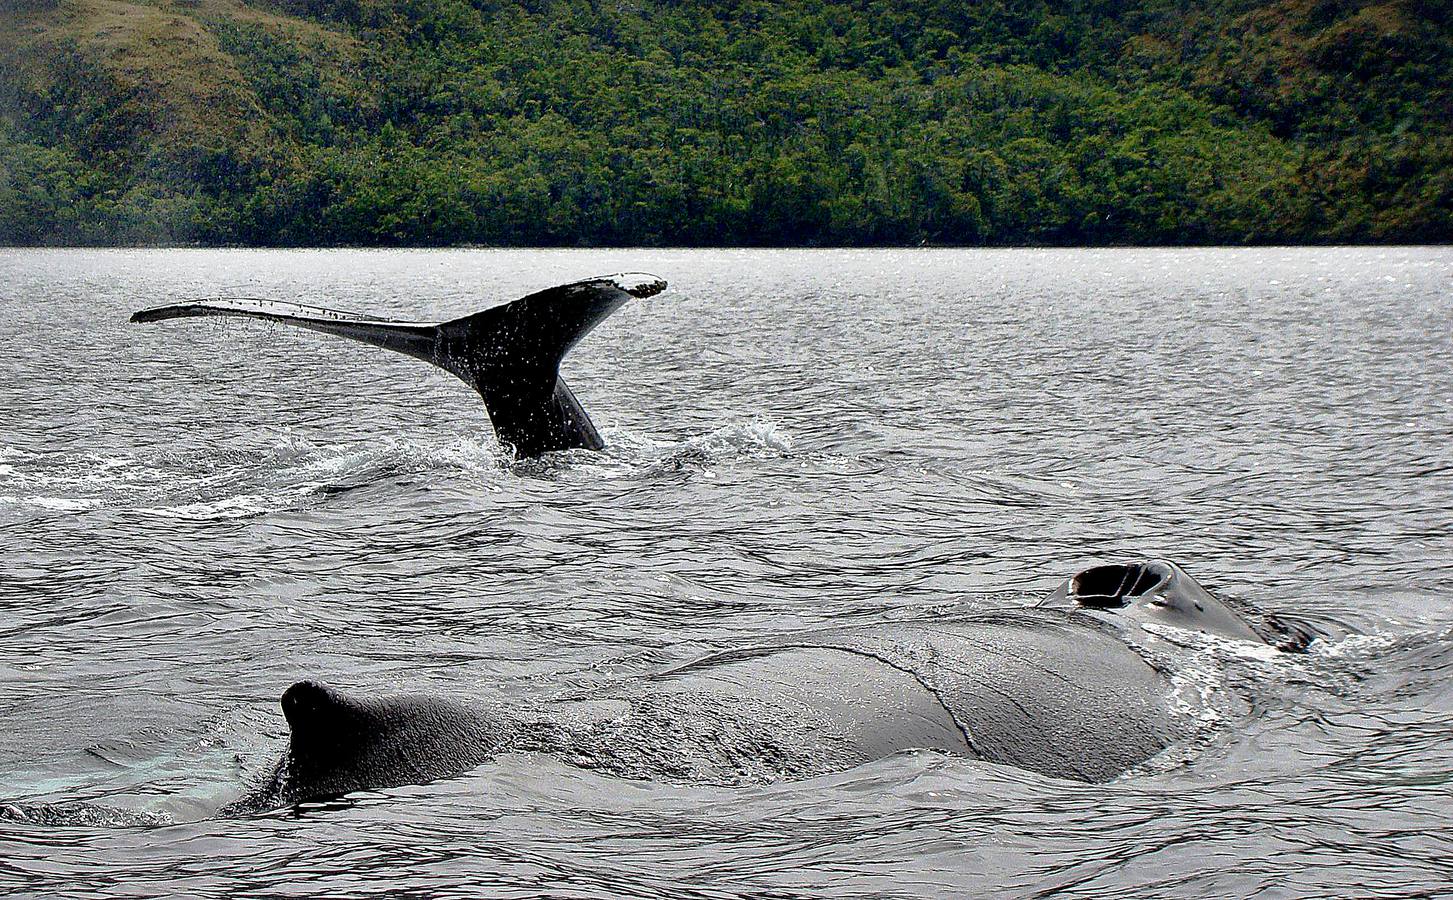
x=1062, y=689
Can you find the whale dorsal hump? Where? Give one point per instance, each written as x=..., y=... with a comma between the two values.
x=320, y=715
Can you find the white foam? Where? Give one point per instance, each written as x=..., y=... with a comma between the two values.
x=1354, y=645
x=1194, y=688
x=471, y=456
x=756, y=434
x=57, y=504
x=240, y=507
x=229, y=508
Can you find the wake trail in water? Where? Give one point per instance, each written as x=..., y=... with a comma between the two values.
x=291, y=472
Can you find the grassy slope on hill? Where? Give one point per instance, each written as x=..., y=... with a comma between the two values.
x=855, y=121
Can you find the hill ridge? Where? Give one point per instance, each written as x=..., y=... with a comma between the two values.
x=565, y=122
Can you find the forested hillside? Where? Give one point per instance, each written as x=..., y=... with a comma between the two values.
x=725, y=121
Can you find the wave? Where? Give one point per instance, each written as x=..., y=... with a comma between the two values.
x=79, y=815
x=286, y=471
x=226, y=483
x=754, y=438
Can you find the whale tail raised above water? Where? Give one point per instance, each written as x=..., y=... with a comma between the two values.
x=510, y=354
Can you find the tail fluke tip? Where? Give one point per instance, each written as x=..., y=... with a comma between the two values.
x=639, y=284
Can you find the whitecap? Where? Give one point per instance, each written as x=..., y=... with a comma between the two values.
x=57, y=504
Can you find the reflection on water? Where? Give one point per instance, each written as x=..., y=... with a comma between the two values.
x=194, y=516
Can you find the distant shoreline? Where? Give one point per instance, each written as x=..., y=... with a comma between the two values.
x=439, y=123
x=741, y=247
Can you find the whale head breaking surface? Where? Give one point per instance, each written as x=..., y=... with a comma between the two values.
x=1160, y=591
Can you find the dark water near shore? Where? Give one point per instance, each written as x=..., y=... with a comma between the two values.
x=193, y=516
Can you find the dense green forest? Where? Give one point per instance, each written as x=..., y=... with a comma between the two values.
x=688, y=122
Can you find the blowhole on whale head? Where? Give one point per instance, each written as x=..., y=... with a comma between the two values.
x=1117, y=586
x=1158, y=590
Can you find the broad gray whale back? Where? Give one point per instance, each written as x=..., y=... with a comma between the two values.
x=1061, y=689
x=510, y=354
x=1061, y=694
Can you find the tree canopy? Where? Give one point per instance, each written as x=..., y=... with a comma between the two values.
x=725, y=122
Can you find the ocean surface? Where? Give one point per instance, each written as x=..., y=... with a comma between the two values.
x=194, y=515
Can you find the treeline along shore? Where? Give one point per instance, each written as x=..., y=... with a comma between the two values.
x=725, y=122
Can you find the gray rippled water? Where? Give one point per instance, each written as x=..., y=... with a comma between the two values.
x=195, y=515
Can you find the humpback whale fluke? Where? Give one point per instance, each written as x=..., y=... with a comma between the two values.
x=510, y=354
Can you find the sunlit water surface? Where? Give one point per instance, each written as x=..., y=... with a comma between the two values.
x=195, y=515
